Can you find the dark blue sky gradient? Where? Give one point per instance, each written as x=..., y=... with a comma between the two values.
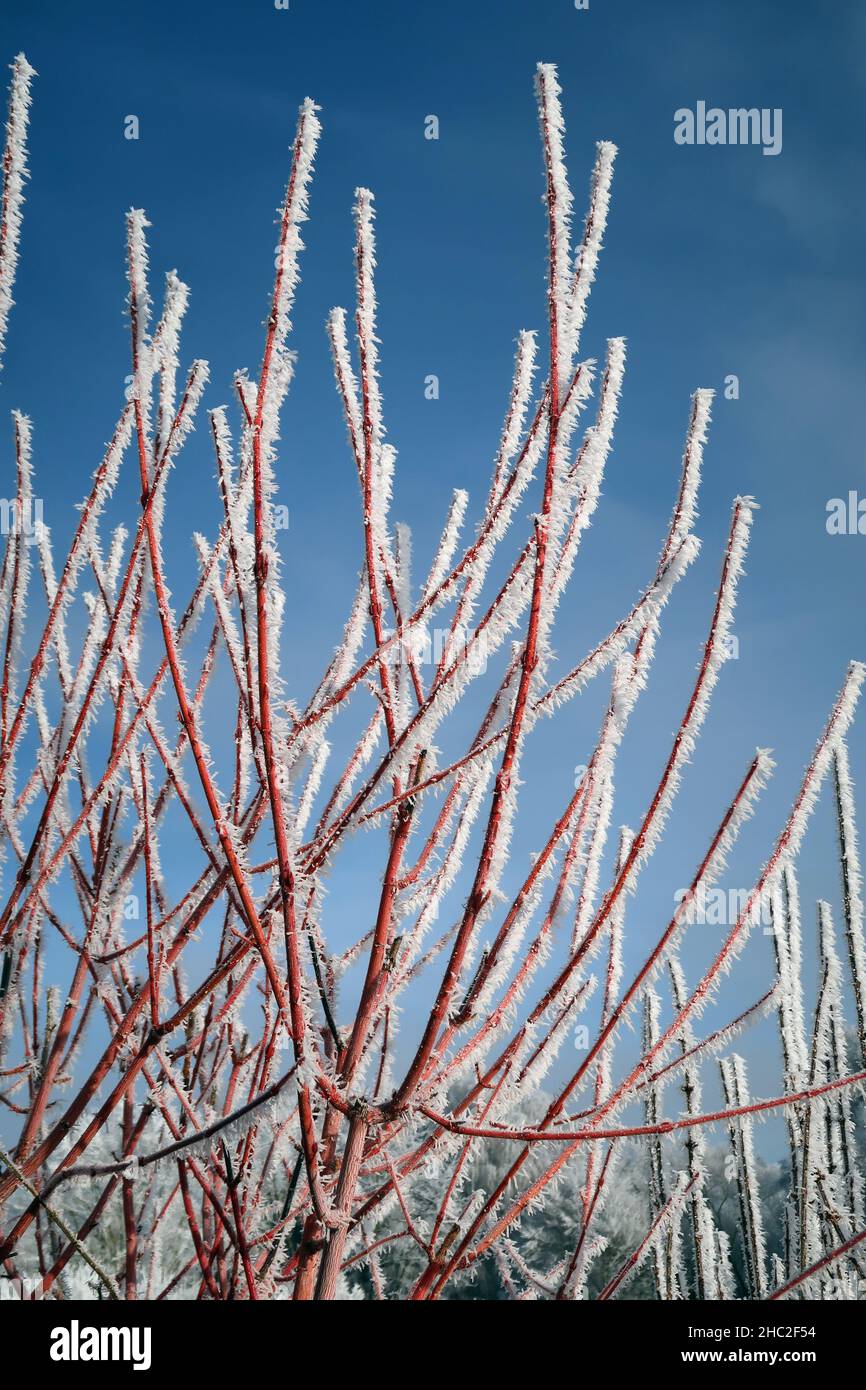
x=717, y=261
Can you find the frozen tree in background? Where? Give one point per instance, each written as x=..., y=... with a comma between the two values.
x=223, y=1095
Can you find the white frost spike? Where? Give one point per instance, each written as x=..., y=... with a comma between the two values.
x=736, y=1091
x=311, y=789
x=139, y=296
x=837, y=1146
x=292, y=214
x=165, y=350
x=515, y=419
x=788, y=944
x=665, y=1271
x=17, y=560
x=602, y=809
x=384, y=486
x=365, y=256
x=725, y=1268
x=403, y=585
x=559, y=202
x=346, y=380
x=586, y=474
x=199, y=374
x=586, y=257
x=709, y=1273
x=46, y=558
x=835, y=1040
x=686, y=508
x=589, y=465
x=346, y=652
x=852, y=885
x=613, y=979
x=448, y=542
x=793, y=922
x=14, y=175
x=227, y=623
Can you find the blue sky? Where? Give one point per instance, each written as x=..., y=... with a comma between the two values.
x=717, y=261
